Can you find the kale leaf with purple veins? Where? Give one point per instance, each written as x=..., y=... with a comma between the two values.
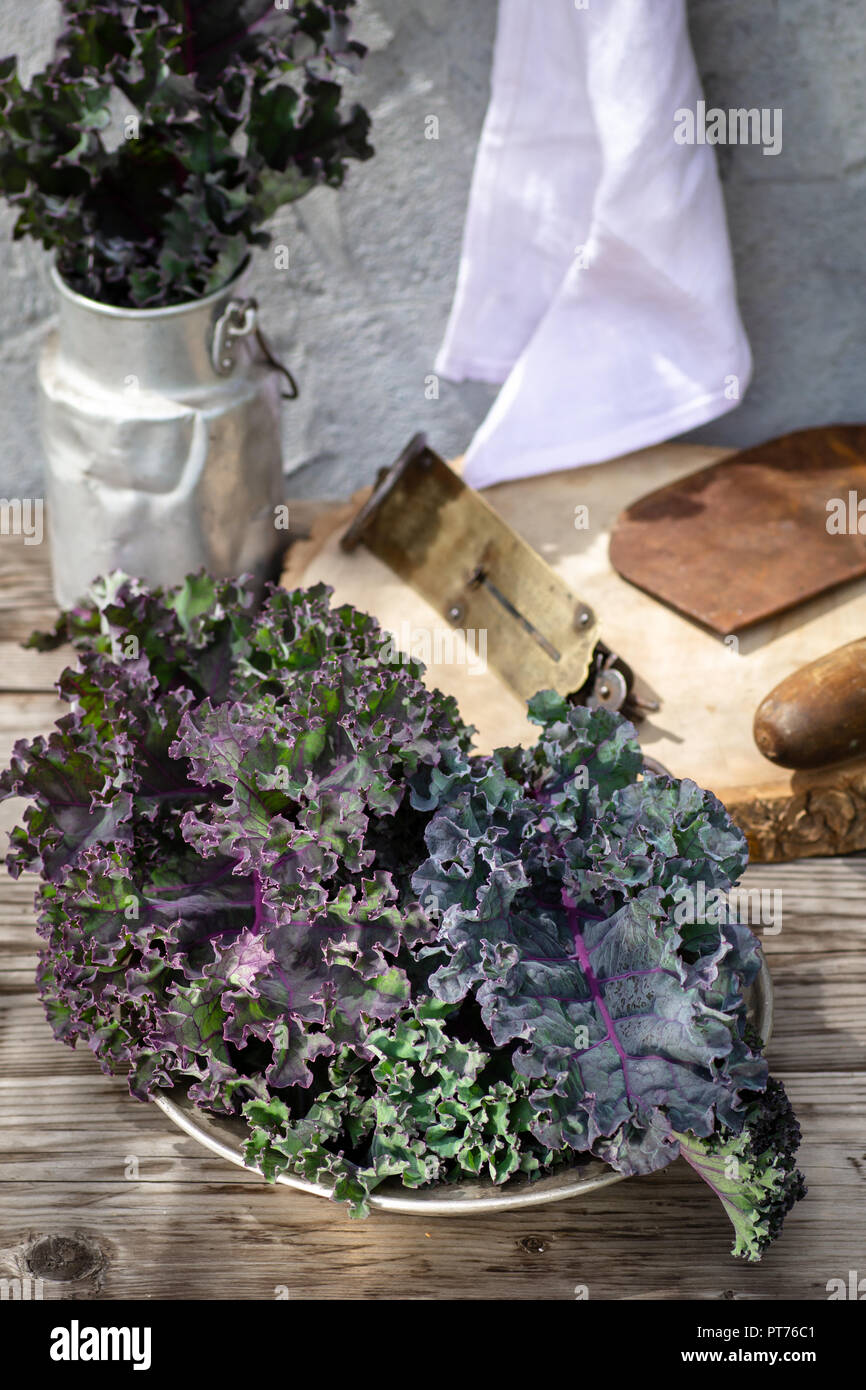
x=556, y=873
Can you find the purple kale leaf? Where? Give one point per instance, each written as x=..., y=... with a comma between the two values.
x=556, y=874
x=225, y=829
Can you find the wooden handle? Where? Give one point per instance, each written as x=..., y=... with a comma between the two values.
x=818, y=715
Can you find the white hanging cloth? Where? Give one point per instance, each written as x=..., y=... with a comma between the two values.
x=596, y=279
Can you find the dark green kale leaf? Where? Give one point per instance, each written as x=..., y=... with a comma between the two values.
x=154, y=146
x=555, y=872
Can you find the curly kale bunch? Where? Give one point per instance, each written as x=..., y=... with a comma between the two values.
x=225, y=829
x=272, y=869
x=164, y=133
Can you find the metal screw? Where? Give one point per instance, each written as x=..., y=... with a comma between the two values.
x=610, y=690
x=455, y=613
x=584, y=617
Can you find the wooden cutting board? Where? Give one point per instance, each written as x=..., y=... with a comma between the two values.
x=709, y=686
x=736, y=543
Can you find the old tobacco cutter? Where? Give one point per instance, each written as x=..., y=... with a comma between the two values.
x=442, y=538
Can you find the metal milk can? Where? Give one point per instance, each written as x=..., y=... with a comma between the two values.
x=162, y=435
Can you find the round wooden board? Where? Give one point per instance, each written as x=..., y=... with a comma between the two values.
x=709, y=688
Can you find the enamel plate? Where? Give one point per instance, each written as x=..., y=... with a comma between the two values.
x=225, y=1137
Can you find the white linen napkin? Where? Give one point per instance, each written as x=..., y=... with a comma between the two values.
x=596, y=278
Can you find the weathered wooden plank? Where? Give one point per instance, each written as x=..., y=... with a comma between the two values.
x=68, y=1133
x=16, y=894
x=24, y=670
x=820, y=993
x=818, y=1029
x=26, y=600
x=25, y=575
x=67, y=1138
x=820, y=1023
x=24, y=714
x=823, y=901
x=90, y=1111
x=190, y=1226
x=661, y=1237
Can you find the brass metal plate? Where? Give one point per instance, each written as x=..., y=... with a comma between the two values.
x=447, y=542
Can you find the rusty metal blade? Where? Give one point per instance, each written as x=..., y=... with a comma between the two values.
x=747, y=538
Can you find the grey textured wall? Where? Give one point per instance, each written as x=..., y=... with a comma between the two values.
x=360, y=312
x=797, y=220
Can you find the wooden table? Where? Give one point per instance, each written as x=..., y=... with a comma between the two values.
x=104, y=1199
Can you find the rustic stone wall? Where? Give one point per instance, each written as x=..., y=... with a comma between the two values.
x=360, y=311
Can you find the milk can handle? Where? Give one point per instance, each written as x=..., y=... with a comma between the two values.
x=239, y=319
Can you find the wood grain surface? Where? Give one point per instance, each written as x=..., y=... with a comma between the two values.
x=103, y=1199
